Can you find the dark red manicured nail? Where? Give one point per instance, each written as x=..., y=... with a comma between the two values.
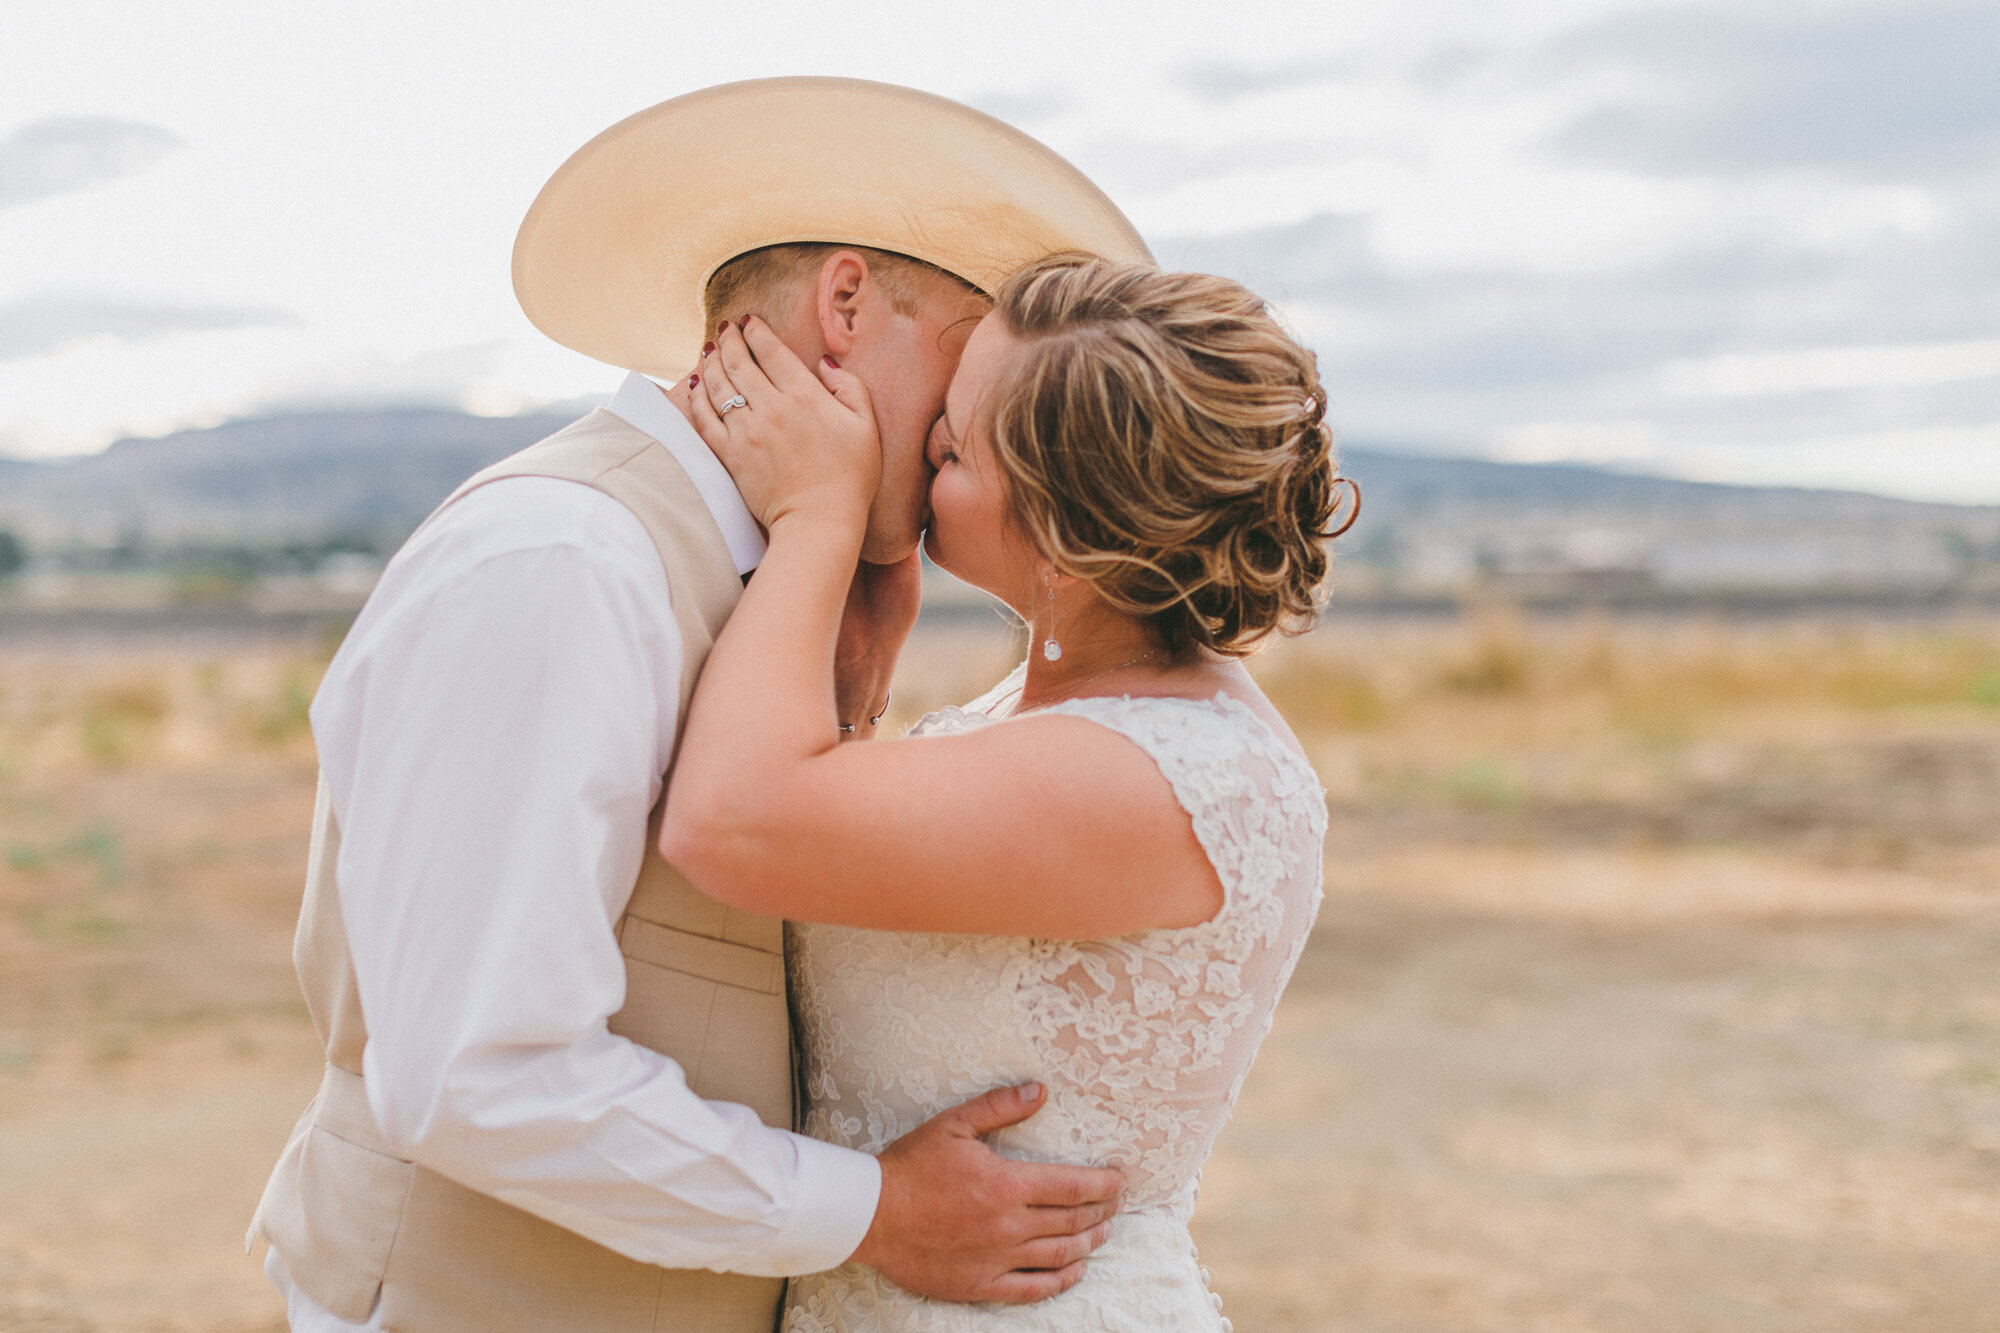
x=722, y=328
x=831, y=362
x=706, y=348
x=693, y=380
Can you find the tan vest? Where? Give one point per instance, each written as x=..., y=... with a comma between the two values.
x=705, y=985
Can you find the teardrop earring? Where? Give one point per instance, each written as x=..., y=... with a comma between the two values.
x=1051, y=647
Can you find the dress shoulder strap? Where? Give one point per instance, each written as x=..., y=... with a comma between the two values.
x=1255, y=804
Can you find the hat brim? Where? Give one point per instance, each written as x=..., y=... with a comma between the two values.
x=617, y=249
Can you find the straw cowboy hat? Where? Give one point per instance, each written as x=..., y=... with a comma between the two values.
x=617, y=249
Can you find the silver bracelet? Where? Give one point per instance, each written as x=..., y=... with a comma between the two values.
x=848, y=728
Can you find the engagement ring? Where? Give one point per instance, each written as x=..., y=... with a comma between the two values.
x=738, y=401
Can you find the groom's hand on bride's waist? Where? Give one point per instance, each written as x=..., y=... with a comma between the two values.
x=959, y=1222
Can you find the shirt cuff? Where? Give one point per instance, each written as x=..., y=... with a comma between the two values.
x=838, y=1189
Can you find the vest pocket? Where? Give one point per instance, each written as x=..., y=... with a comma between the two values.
x=710, y=959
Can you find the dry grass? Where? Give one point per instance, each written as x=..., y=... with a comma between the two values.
x=1658, y=986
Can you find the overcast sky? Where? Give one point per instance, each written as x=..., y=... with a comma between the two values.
x=1753, y=241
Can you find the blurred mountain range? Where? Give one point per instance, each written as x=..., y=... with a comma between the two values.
x=296, y=494
x=363, y=477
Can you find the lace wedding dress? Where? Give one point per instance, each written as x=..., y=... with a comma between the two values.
x=1143, y=1041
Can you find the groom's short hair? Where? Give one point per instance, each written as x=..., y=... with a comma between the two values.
x=755, y=282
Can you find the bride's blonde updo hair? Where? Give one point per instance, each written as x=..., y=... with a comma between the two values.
x=1163, y=438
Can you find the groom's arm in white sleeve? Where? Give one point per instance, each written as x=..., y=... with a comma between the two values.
x=493, y=734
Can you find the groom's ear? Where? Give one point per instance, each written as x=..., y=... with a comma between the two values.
x=844, y=288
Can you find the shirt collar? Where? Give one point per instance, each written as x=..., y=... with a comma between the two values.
x=643, y=405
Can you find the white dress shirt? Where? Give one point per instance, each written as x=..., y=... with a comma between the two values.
x=493, y=733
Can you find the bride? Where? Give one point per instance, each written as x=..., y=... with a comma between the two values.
x=1096, y=877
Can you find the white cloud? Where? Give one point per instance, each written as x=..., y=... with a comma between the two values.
x=41, y=326
x=1820, y=369
x=1580, y=442
x=100, y=391
x=498, y=378
x=1955, y=464
x=59, y=154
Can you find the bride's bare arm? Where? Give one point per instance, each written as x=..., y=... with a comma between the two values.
x=1049, y=826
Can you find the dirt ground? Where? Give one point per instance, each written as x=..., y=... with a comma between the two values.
x=1657, y=987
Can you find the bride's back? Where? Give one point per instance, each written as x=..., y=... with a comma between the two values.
x=1143, y=1040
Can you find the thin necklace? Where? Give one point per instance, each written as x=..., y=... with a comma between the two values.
x=1021, y=690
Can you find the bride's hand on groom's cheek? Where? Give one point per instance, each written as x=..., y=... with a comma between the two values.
x=796, y=440
x=959, y=1222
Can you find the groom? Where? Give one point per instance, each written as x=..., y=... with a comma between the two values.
x=559, y=1081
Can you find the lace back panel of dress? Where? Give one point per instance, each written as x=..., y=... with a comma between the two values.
x=1143, y=1040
